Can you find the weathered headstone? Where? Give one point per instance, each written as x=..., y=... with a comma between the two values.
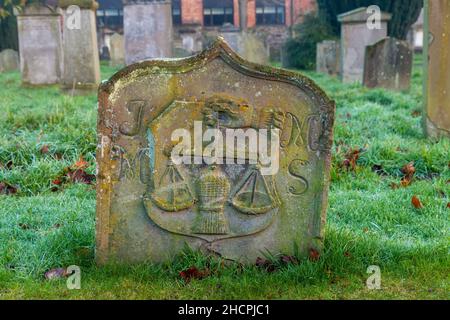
x=81, y=55
x=147, y=29
x=117, y=51
x=328, y=57
x=191, y=39
x=39, y=29
x=355, y=36
x=245, y=43
x=437, y=68
x=388, y=64
x=149, y=206
x=9, y=60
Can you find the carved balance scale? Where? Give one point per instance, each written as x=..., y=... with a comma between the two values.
x=252, y=195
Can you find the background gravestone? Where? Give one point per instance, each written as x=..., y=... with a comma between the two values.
x=148, y=208
x=191, y=39
x=117, y=51
x=147, y=26
x=355, y=36
x=245, y=43
x=81, y=54
x=9, y=60
x=328, y=57
x=437, y=70
x=388, y=64
x=39, y=29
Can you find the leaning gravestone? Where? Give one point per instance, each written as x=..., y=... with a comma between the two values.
x=437, y=70
x=149, y=206
x=39, y=29
x=328, y=57
x=81, y=55
x=117, y=51
x=147, y=26
x=355, y=36
x=388, y=64
x=9, y=60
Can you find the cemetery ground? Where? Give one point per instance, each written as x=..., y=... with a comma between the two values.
x=389, y=206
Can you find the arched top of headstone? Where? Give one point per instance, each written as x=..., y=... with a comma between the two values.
x=218, y=49
x=360, y=15
x=83, y=4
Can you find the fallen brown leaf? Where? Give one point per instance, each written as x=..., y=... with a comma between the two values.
x=265, y=264
x=44, y=149
x=57, y=273
x=351, y=159
x=80, y=176
x=288, y=259
x=416, y=202
x=81, y=164
x=314, y=255
x=448, y=205
x=8, y=189
x=194, y=273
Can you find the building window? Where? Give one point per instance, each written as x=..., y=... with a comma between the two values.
x=176, y=12
x=270, y=12
x=217, y=12
x=111, y=18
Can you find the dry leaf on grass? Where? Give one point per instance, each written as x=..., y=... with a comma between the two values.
x=194, y=273
x=416, y=202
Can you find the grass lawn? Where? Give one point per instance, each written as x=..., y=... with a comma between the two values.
x=46, y=225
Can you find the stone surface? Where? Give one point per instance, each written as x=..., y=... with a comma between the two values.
x=388, y=64
x=81, y=55
x=148, y=208
x=40, y=49
x=147, y=30
x=355, y=36
x=9, y=60
x=328, y=57
x=117, y=51
x=437, y=70
x=246, y=44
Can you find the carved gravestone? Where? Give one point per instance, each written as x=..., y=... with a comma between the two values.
x=355, y=36
x=9, y=60
x=388, y=64
x=437, y=68
x=117, y=51
x=40, y=49
x=147, y=26
x=328, y=57
x=81, y=54
x=149, y=206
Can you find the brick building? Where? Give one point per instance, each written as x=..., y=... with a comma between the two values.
x=269, y=19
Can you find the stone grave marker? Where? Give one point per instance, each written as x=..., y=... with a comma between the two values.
x=149, y=205
x=328, y=57
x=388, y=64
x=40, y=49
x=117, y=51
x=245, y=43
x=9, y=60
x=81, y=54
x=355, y=36
x=147, y=26
x=437, y=70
